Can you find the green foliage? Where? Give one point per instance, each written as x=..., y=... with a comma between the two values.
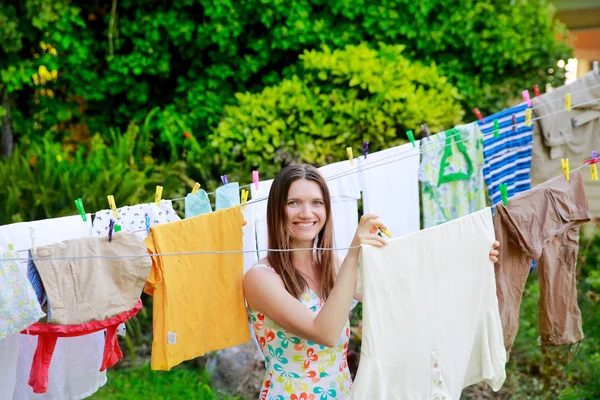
x=341, y=98
x=41, y=180
x=190, y=57
x=143, y=383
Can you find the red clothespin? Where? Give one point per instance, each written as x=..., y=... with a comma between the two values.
x=425, y=130
x=478, y=115
x=514, y=122
x=224, y=179
x=365, y=149
x=526, y=98
x=255, y=179
x=536, y=90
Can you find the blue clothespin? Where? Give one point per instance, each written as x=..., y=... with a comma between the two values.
x=224, y=179
x=365, y=149
x=147, y=223
x=111, y=226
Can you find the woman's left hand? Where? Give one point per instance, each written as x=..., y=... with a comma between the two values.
x=494, y=252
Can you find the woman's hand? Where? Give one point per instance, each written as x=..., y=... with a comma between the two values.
x=494, y=252
x=366, y=233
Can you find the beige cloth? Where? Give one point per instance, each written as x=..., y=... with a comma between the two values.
x=571, y=135
x=542, y=224
x=82, y=290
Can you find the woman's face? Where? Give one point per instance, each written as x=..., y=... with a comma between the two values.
x=305, y=210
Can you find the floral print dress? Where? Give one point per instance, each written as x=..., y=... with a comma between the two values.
x=298, y=369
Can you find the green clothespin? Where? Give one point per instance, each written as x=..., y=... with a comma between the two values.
x=117, y=228
x=411, y=137
x=11, y=247
x=504, y=192
x=496, y=128
x=79, y=205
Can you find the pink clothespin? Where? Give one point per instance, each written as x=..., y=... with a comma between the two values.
x=526, y=98
x=478, y=115
x=255, y=179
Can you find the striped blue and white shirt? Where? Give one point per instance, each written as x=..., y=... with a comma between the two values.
x=507, y=158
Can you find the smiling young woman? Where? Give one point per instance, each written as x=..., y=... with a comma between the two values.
x=299, y=300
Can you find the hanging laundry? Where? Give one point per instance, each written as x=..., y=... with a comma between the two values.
x=227, y=196
x=430, y=314
x=48, y=335
x=197, y=204
x=198, y=299
x=507, y=158
x=133, y=218
x=260, y=215
x=249, y=231
x=390, y=187
x=542, y=224
x=344, y=190
x=568, y=134
x=87, y=289
x=451, y=175
x=19, y=307
x=75, y=367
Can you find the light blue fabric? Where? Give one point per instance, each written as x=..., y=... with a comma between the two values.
x=228, y=196
x=197, y=204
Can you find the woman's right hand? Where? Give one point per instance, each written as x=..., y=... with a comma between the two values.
x=366, y=233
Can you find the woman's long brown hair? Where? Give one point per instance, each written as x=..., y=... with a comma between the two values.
x=279, y=235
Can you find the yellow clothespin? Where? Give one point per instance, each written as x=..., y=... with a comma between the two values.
x=565, y=167
x=385, y=232
x=528, y=116
x=196, y=188
x=350, y=156
x=244, y=198
x=112, y=205
x=158, y=195
x=568, y=102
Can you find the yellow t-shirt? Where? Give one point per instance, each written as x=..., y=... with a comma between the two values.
x=198, y=299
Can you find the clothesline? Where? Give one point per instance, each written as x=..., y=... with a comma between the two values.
x=562, y=99
x=207, y=252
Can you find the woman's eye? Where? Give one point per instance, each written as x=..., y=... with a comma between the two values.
x=292, y=203
x=318, y=203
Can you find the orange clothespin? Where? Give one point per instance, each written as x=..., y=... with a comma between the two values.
x=158, y=195
x=568, y=102
x=112, y=205
x=528, y=113
x=244, y=198
x=565, y=167
x=350, y=156
x=197, y=187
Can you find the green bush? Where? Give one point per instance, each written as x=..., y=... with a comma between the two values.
x=337, y=99
x=43, y=178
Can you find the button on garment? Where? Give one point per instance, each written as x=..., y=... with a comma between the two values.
x=297, y=368
x=430, y=314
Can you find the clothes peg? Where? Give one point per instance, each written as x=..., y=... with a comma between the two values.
x=425, y=130
x=158, y=195
x=11, y=247
x=411, y=137
x=255, y=179
x=365, y=149
x=568, y=102
x=528, y=113
x=350, y=157
x=147, y=223
x=496, y=128
x=79, y=205
x=514, y=122
x=224, y=179
x=111, y=226
x=385, y=231
x=117, y=228
x=244, y=198
x=593, y=167
x=526, y=98
x=565, y=167
x=536, y=90
x=32, y=234
x=112, y=205
x=478, y=115
x=504, y=193
x=197, y=186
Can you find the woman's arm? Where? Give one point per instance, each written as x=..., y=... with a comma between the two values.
x=266, y=293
